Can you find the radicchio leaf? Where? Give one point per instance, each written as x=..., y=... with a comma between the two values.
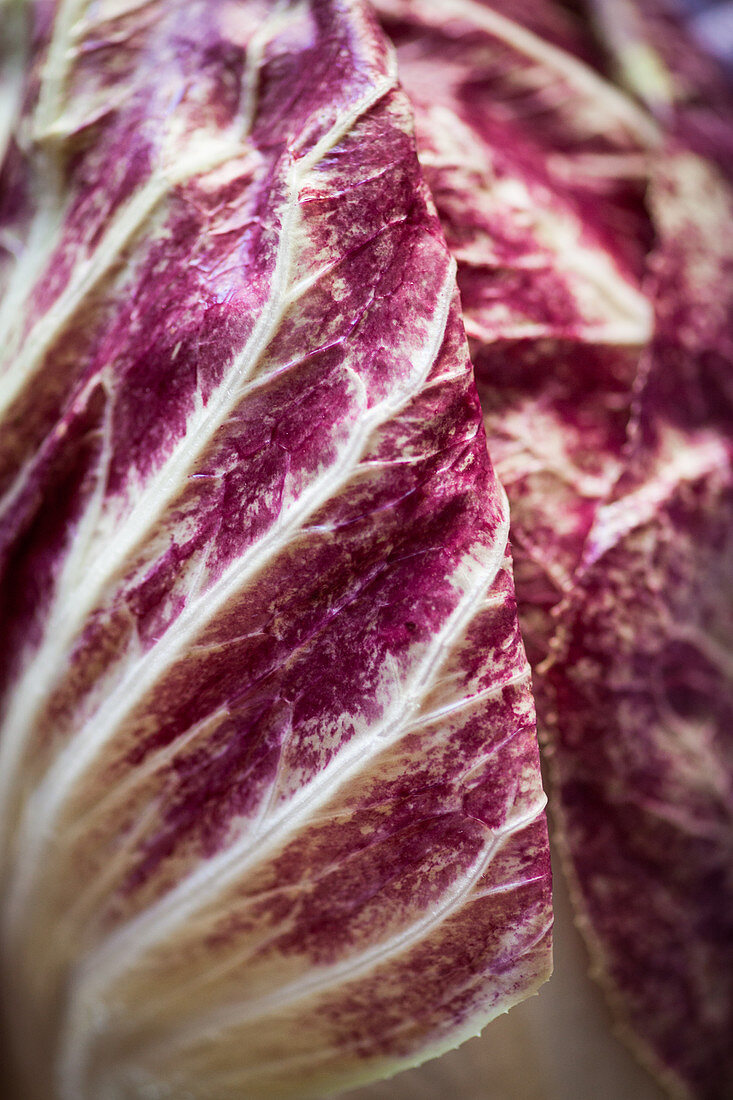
x=594, y=245
x=271, y=813
x=642, y=687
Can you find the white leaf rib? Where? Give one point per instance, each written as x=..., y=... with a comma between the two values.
x=125, y=788
x=90, y=271
x=48, y=799
x=13, y=57
x=315, y=982
x=520, y=676
x=56, y=68
x=43, y=236
x=49, y=221
x=46, y=232
x=104, y=561
x=227, y=965
x=89, y=558
x=389, y=1067
x=126, y=944
x=118, y=796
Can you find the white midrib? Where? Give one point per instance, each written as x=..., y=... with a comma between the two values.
x=48, y=224
x=225, y=967
x=105, y=877
x=120, y=952
x=46, y=801
x=47, y=221
x=43, y=235
x=56, y=66
x=207, y=153
x=12, y=72
x=319, y=981
x=81, y=584
x=89, y=272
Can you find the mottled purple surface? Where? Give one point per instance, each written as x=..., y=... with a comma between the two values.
x=643, y=686
x=272, y=820
x=595, y=249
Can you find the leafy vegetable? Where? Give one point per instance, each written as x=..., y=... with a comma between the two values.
x=594, y=246
x=271, y=812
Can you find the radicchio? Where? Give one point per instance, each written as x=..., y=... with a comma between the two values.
x=271, y=813
x=594, y=238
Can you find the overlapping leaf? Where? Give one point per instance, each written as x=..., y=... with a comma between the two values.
x=594, y=250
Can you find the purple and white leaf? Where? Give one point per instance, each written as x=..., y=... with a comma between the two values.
x=271, y=812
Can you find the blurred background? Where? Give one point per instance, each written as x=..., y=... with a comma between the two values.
x=712, y=23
